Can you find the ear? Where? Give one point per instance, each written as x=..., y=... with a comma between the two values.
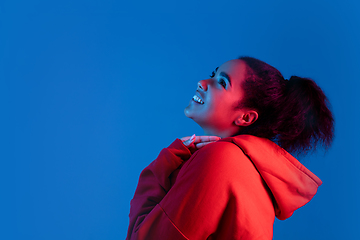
x=246, y=118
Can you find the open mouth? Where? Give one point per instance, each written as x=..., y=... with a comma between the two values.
x=197, y=99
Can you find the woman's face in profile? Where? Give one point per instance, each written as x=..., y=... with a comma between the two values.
x=213, y=105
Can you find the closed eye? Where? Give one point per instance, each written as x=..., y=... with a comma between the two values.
x=222, y=82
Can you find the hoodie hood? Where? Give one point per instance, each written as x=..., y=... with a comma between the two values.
x=291, y=183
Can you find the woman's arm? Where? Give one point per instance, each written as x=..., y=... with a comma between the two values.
x=156, y=179
x=154, y=183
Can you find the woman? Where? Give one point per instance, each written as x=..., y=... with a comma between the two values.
x=234, y=187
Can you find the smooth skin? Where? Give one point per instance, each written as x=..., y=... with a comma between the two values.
x=217, y=114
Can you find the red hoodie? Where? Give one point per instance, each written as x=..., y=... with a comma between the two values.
x=231, y=189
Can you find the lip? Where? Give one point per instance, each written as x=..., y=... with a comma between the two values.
x=200, y=95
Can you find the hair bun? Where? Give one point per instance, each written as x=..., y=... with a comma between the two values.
x=295, y=82
x=295, y=78
x=294, y=113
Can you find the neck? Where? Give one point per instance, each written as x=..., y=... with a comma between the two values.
x=220, y=133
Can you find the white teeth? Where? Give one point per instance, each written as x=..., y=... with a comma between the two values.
x=197, y=99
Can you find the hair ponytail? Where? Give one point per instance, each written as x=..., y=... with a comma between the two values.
x=293, y=113
x=306, y=120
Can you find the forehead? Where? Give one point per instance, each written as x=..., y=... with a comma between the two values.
x=236, y=69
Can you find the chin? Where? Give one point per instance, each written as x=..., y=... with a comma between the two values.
x=187, y=112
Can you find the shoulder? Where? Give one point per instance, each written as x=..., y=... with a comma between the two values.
x=219, y=157
x=221, y=150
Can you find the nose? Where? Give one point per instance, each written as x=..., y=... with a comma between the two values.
x=202, y=85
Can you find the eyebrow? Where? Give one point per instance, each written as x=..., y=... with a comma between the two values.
x=225, y=76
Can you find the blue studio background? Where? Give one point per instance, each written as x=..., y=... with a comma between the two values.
x=91, y=91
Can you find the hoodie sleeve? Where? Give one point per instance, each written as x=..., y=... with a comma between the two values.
x=154, y=183
x=202, y=203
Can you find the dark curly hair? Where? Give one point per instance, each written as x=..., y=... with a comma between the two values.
x=293, y=113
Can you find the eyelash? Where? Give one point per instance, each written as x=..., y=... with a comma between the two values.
x=213, y=72
x=222, y=82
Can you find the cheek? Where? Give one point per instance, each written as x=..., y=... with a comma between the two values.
x=221, y=110
x=221, y=105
